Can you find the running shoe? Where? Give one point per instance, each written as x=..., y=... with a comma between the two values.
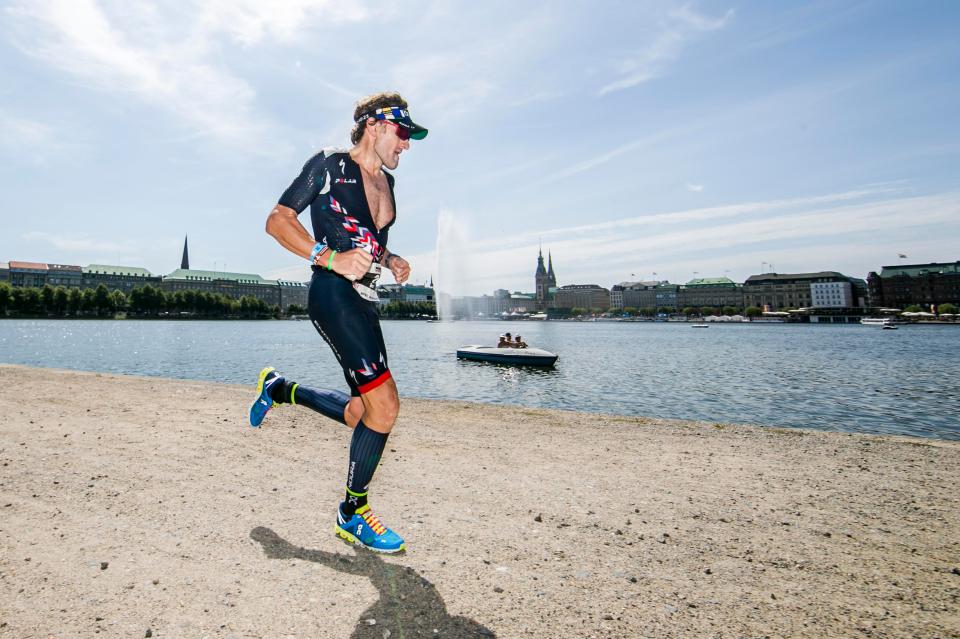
x=263, y=403
x=364, y=529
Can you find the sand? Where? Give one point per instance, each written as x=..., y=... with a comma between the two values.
x=133, y=507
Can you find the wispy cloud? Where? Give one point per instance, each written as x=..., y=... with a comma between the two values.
x=694, y=188
x=137, y=52
x=80, y=243
x=675, y=32
x=27, y=139
x=738, y=238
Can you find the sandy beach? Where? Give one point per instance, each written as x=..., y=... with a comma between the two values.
x=135, y=507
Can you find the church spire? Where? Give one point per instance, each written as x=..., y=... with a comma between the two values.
x=550, y=275
x=185, y=261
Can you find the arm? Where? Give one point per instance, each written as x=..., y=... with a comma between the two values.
x=397, y=265
x=284, y=226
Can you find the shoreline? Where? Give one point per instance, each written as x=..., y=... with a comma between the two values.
x=132, y=503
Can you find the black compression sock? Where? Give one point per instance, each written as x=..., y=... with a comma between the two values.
x=366, y=448
x=329, y=403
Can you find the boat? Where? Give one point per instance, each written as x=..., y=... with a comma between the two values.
x=699, y=326
x=889, y=327
x=879, y=321
x=509, y=356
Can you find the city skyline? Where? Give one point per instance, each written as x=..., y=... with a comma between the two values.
x=687, y=139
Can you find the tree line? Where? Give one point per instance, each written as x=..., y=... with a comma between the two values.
x=143, y=301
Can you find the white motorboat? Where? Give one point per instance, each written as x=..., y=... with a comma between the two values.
x=511, y=356
x=883, y=322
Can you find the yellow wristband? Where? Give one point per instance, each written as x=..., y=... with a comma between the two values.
x=330, y=261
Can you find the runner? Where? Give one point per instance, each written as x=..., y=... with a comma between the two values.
x=352, y=209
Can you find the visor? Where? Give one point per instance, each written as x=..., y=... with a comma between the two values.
x=400, y=117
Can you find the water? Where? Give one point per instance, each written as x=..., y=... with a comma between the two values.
x=840, y=378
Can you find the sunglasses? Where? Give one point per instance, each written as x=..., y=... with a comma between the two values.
x=402, y=132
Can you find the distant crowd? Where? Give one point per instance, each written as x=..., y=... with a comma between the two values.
x=508, y=342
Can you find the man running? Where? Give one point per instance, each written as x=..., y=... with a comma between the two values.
x=352, y=209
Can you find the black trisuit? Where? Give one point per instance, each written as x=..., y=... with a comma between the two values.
x=331, y=183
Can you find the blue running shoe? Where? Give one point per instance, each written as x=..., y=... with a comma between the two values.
x=263, y=403
x=364, y=529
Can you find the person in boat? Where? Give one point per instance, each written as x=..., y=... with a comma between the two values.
x=352, y=207
x=519, y=343
x=505, y=341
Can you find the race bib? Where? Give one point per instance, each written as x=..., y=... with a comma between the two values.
x=367, y=286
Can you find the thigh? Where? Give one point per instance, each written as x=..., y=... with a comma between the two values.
x=349, y=324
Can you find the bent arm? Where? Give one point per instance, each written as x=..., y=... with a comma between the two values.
x=285, y=227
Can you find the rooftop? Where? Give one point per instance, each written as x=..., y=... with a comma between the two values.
x=783, y=277
x=195, y=275
x=916, y=270
x=109, y=269
x=32, y=266
x=711, y=281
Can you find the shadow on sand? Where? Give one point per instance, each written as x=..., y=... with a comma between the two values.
x=409, y=605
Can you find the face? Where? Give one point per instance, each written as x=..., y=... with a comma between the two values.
x=387, y=145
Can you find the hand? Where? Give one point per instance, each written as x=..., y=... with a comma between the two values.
x=399, y=267
x=352, y=264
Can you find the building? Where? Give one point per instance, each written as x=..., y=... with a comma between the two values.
x=4, y=272
x=782, y=291
x=118, y=278
x=545, y=282
x=404, y=293
x=665, y=296
x=588, y=296
x=831, y=295
x=714, y=292
x=65, y=275
x=32, y=274
x=634, y=295
x=922, y=284
x=292, y=294
x=233, y=285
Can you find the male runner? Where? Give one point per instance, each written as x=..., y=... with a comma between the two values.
x=352, y=209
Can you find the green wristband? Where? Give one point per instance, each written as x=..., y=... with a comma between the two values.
x=330, y=261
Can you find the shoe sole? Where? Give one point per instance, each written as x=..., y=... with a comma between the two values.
x=260, y=380
x=343, y=534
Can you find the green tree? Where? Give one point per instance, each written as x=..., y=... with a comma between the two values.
x=101, y=300
x=630, y=310
x=88, y=301
x=948, y=308
x=27, y=301
x=707, y=310
x=648, y=311
x=74, y=301
x=729, y=310
x=118, y=301
x=913, y=308
x=689, y=311
x=6, y=297
x=752, y=311
x=296, y=309
x=47, y=294
x=665, y=310
x=61, y=300
x=577, y=311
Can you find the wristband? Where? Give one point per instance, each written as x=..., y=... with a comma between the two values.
x=317, y=250
x=330, y=261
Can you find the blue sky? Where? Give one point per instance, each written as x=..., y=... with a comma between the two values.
x=686, y=139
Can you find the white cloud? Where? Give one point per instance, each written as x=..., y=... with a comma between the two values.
x=172, y=66
x=27, y=139
x=80, y=243
x=694, y=188
x=676, y=32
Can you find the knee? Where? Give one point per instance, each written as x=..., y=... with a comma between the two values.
x=382, y=412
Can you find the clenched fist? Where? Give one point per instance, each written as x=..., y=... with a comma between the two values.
x=352, y=264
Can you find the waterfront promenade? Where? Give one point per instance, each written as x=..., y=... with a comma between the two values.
x=135, y=503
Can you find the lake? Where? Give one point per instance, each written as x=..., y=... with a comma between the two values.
x=829, y=377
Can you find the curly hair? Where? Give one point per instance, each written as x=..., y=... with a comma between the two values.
x=368, y=105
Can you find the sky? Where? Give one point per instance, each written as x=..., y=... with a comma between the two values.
x=632, y=140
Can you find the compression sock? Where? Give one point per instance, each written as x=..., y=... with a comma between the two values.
x=366, y=447
x=329, y=403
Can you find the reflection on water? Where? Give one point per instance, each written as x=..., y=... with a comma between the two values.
x=849, y=378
